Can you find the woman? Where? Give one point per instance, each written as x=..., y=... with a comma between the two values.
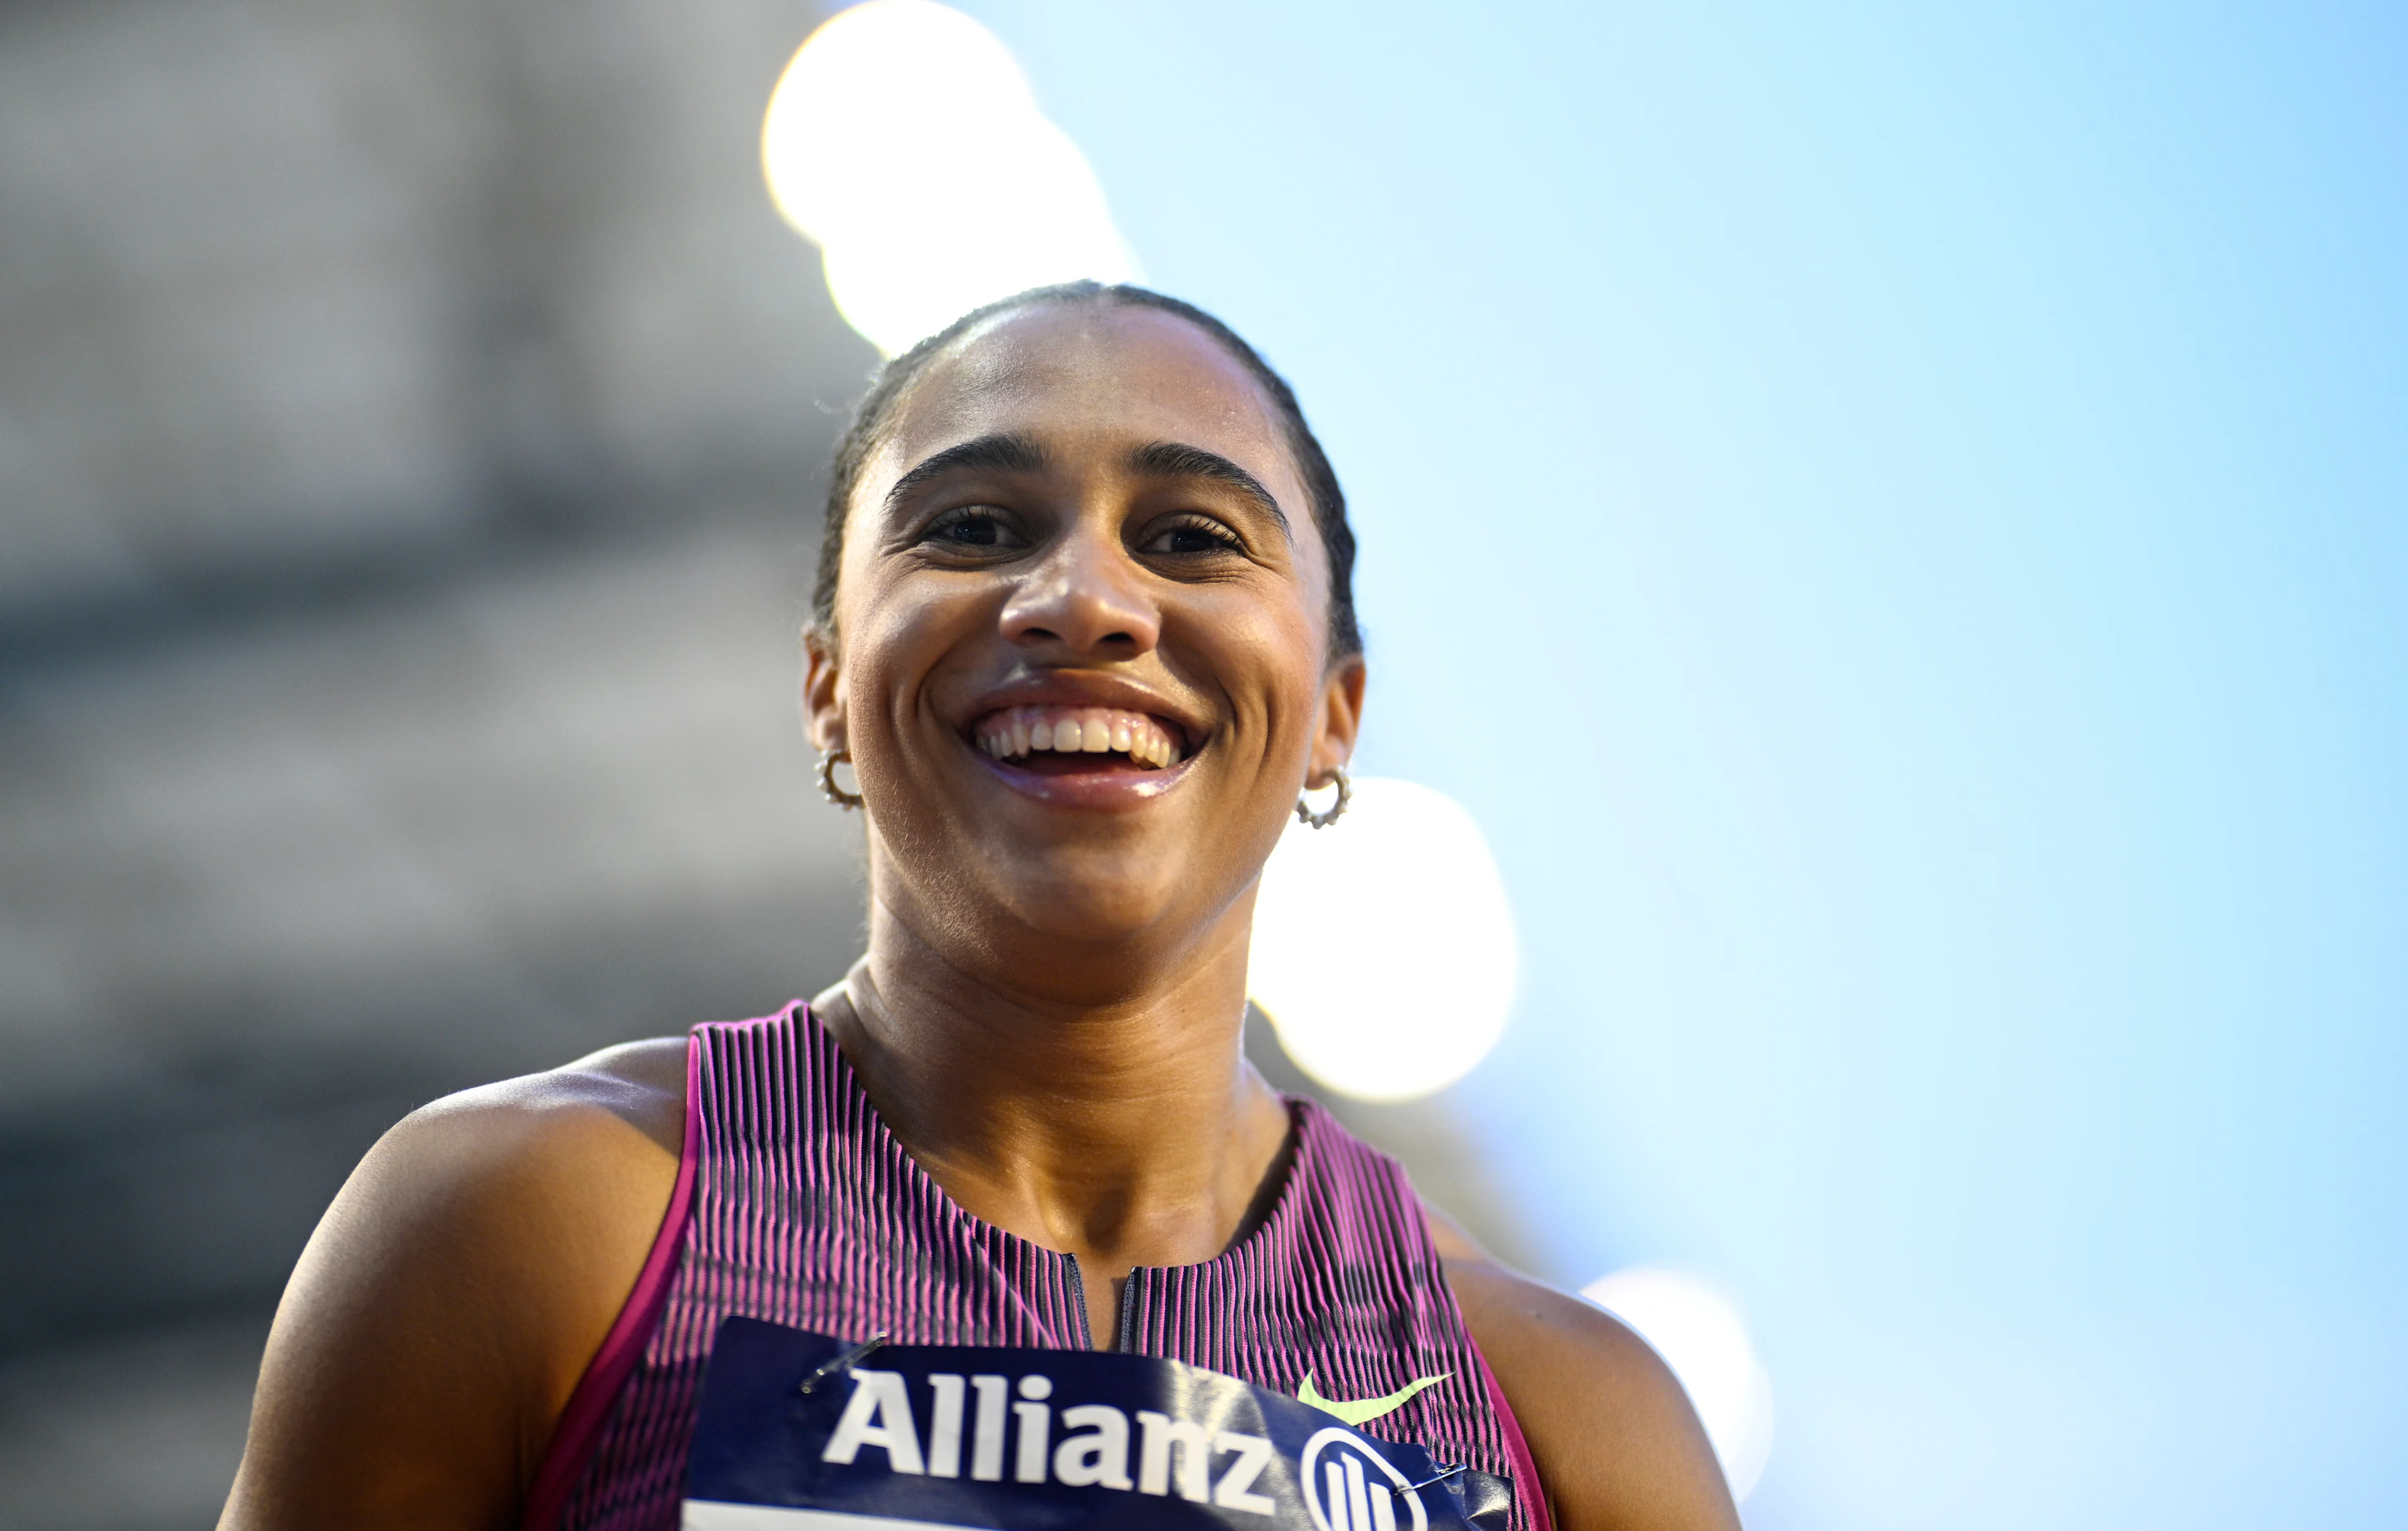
x=1084, y=634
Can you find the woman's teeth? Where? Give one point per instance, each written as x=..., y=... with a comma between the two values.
x=1018, y=731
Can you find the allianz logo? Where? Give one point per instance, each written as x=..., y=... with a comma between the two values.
x=1095, y=1451
x=977, y=1428
x=1350, y=1487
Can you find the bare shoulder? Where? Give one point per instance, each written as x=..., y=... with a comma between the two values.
x=454, y=1293
x=533, y=1172
x=639, y=1085
x=1616, y=1443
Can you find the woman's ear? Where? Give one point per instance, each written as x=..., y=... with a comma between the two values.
x=823, y=692
x=1342, y=719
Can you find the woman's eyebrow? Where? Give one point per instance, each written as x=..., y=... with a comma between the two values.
x=1177, y=460
x=1003, y=451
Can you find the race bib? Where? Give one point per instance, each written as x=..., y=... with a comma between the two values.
x=800, y=1432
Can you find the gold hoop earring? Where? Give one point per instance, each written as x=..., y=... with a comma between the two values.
x=829, y=760
x=1304, y=814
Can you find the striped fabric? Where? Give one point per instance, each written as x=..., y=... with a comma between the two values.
x=807, y=1211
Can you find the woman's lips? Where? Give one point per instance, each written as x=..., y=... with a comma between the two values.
x=1098, y=782
x=1083, y=757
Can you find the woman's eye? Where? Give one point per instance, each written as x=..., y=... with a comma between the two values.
x=975, y=527
x=1190, y=537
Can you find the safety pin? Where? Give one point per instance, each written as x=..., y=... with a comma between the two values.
x=1438, y=1476
x=846, y=1361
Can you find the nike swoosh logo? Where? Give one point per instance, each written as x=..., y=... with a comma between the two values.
x=1361, y=1409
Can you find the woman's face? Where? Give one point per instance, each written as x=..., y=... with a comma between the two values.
x=1081, y=629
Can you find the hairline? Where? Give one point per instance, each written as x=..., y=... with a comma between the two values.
x=1272, y=391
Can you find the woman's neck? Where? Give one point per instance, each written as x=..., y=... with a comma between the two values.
x=1129, y=1133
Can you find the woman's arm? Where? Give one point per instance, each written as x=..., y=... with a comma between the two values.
x=452, y=1296
x=1618, y=1447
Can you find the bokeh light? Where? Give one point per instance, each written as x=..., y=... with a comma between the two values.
x=903, y=141
x=1384, y=947
x=1701, y=1336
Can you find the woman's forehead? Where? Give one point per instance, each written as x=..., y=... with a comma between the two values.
x=1108, y=376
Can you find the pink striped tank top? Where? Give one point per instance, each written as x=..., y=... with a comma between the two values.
x=795, y=1205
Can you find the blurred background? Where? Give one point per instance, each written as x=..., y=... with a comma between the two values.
x=1890, y=518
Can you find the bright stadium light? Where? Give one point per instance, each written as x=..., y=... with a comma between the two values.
x=1384, y=948
x=903, y=141
x=1700, y=1335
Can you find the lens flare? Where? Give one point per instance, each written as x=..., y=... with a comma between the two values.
x=903, y=141
x=1384, y=948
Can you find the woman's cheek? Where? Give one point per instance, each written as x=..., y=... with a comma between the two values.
x=898, y=633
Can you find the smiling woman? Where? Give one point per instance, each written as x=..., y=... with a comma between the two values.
x=1083, y=631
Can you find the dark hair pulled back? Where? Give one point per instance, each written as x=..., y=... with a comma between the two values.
x=1311, y=464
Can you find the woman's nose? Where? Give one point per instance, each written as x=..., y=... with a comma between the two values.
x=1087, y=595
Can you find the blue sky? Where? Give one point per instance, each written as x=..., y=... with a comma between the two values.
x=1895, y=519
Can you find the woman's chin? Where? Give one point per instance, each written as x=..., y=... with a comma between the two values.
x=1099, y=903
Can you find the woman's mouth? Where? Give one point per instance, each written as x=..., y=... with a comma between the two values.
x=1079, y=738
